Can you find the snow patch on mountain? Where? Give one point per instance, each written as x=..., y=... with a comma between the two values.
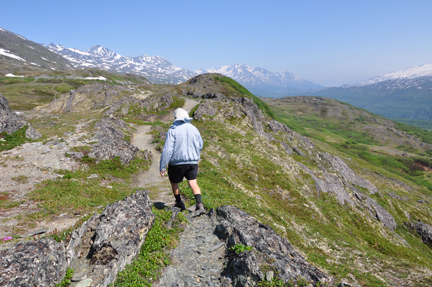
x=406, y=74
x=8, y=54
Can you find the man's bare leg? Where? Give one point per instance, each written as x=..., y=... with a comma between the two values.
x=176, y=192
x=194, y=186
x=175, y=188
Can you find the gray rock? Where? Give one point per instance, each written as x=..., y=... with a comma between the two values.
x=84, y=283
x=34, y=263
x=104, y=244
x=32, y=133
x=111, y=148
x=329, y=183
x=251, y=110
x=298, y=151
x=394, y=195
x=204, y=109
x=348, y=174
x=423, y=229
x=214, y=96
x=276, y=126
x=375, y=209
x=287, y=148
x=78, y=155
x=270, y=247
x=9, y=121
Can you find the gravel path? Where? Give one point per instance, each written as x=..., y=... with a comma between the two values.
x=200, y=257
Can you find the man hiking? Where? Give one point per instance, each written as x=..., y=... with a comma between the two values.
x=183, y=145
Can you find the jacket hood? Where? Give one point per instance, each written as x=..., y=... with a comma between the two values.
x=186, y=120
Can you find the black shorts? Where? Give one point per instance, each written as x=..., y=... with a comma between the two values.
x=177, y=172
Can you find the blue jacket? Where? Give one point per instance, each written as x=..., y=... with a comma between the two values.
x=183, y=144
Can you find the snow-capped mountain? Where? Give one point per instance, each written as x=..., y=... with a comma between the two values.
x=406, y=74
x=265, y=83
x=401, y=94
x=18, y=53
x=156, y=69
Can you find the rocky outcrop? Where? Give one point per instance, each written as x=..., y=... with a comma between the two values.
x=97, y=251
x=251, y=110
x=34, y=263
x=104, y=244
x=111, y=144
x=348, y=174
x=423, y=229
x=375, y=209
x=10, y=121
x=204, y=109
x=268, y=248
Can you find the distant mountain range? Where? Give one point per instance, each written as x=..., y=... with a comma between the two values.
x=403, y=94
x=156, y=69
x=159, y=70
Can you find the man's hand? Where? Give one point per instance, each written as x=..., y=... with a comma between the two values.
x=162, y=173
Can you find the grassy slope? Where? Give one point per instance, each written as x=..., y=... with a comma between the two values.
x=29, y=92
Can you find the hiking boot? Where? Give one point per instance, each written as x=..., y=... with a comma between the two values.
x=199, y=206
x=180, y=205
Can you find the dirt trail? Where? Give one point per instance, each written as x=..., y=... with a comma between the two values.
x=159, y=187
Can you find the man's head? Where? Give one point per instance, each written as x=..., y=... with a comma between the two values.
x=180, y=114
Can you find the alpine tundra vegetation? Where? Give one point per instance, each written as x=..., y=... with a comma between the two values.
x=302, y=191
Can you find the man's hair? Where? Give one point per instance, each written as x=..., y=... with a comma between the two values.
x=181, y=113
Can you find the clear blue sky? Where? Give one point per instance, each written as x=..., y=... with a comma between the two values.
x=327, y=42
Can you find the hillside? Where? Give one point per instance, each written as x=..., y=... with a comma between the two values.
x=28, y=89
x=326, y=178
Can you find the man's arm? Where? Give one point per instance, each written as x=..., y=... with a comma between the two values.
x=167, y=152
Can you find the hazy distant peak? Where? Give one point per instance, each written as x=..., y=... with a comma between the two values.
x=410, y=73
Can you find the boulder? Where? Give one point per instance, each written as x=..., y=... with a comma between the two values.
x=104, y=244
x=204, y=109
x=33, y=263
x=276, y=127
x=423, y=229
x=108, y=148
x=268, y=248
x=10, y=121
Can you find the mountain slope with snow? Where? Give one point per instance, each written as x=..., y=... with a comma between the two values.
x=156, y=69
x=19, y=54
x=406, y=74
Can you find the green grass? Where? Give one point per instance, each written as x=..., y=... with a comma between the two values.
x=17, y=138
x=74, y=192
x=236, y=87
x=67, y=280
x=153, y=256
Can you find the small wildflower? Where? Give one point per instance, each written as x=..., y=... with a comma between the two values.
x=7, y=238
